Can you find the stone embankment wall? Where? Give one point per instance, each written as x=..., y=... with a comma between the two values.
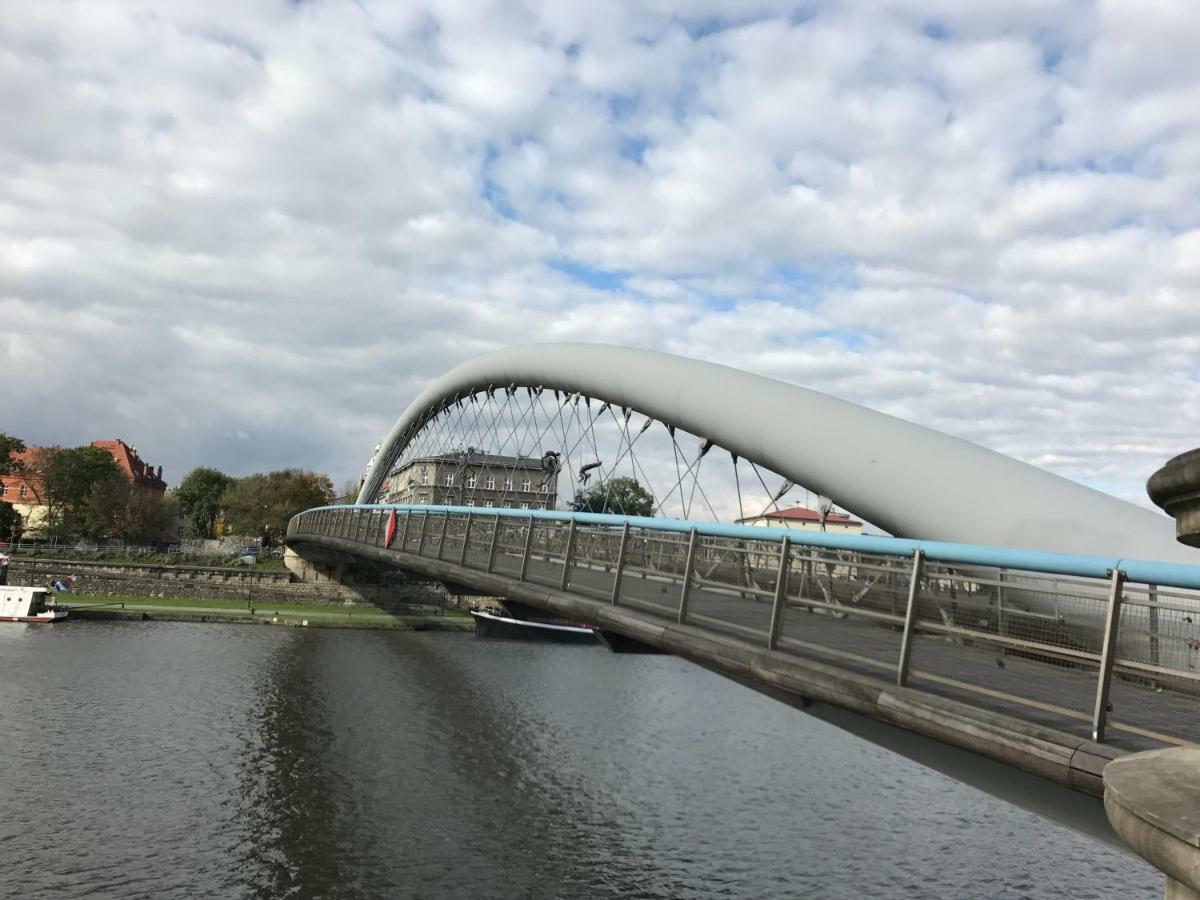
x=106, y=579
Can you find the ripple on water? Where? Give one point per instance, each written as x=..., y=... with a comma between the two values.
x=195, y=760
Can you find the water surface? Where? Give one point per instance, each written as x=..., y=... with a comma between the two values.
x=185, y=760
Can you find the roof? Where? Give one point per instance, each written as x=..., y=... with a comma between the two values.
x=141, y=473
x=802, y=514
x=476, y=458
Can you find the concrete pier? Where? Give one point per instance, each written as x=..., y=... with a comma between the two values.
x=1153, y=802
x=1176, y=488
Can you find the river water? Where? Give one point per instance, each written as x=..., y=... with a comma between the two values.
x=186, y=760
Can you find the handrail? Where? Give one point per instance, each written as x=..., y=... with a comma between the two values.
x=1142, y=571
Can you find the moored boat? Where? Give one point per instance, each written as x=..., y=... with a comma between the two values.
x=29, y=604
x=494, y=625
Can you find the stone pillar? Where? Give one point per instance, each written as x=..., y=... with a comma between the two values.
x=301, y=568
x=1153, y=802
x=1176, y=488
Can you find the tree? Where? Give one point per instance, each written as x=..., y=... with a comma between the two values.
x=262, y=505
x=118, y=508
x=8, y=446
x=10, y=522
x=199, y=497
x=622, y=496
x=66, y=477
x=349, y=492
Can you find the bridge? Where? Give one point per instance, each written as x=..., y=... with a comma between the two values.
x=981, y=629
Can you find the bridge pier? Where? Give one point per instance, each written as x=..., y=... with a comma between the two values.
x=1153, y=801
x=304, y=569
x=370, y=583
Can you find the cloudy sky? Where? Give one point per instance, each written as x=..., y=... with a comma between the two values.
x=246, y=234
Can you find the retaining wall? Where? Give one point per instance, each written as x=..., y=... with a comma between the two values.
x=198, y=583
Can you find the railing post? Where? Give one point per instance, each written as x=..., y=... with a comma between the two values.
x=910, y=617
x=462, y=559
x=781, y=582
x=616, y=588
x=491, y=566
x=404, y=529
x=1112, y=623
x=566, y=572
x=1000, y=623
x=528, y=549
x=442, y=534
x=421, y=536
x=686, y=588
x=1152, y=601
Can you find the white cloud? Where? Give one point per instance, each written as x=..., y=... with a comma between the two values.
x=277, y=222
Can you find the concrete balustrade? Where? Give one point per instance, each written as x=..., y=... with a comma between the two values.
x=1153, y=802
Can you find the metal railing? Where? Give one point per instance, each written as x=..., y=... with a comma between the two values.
x=1107, y=648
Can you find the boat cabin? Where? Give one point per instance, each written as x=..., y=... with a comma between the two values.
x=23, y=604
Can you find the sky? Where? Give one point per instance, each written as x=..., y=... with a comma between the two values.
x=246, y=235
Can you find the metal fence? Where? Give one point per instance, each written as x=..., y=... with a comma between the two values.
x=1099, y=654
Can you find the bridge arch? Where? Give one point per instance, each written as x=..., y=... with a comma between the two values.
x=911, y=480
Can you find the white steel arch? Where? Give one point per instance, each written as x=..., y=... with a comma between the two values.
x=911, y=480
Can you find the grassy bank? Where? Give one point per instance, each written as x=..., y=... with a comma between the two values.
x=359, y=616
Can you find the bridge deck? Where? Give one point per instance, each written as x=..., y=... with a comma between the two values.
x=1045, y=669
x=1037, y=691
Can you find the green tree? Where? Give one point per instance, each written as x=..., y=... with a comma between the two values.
x=118, y=508
x=199, y=497
x=261, y=505
x=67, y=476
x=10, y=522
x=623, y=496
x=8, y=446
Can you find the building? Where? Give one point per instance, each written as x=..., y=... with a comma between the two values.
x=23, y=487
x=474, y=478
x=140, y=473
x=804, y=519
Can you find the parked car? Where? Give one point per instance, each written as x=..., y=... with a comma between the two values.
x=250, y=550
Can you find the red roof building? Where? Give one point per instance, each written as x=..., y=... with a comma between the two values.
x=805, y=519
x=24, y=488
x=140, y=473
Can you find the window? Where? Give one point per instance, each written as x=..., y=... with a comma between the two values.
x=424, y=476
x=524, y=506
x=470, y=503
x=507, y=484
x=3, y=489
x=545, y=487
x=448, y=479
x=490, y=484
x=488, y=504
x=526, y=486
x=471, y=482
x=24, y=490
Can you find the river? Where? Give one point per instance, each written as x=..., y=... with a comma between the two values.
x=186, y=760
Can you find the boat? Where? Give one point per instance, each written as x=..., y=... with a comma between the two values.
x=495, y=625
x=29, y=604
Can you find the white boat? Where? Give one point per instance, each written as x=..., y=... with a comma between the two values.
x=29, y=604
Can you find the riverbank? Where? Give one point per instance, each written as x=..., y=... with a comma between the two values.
x=149, y=609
